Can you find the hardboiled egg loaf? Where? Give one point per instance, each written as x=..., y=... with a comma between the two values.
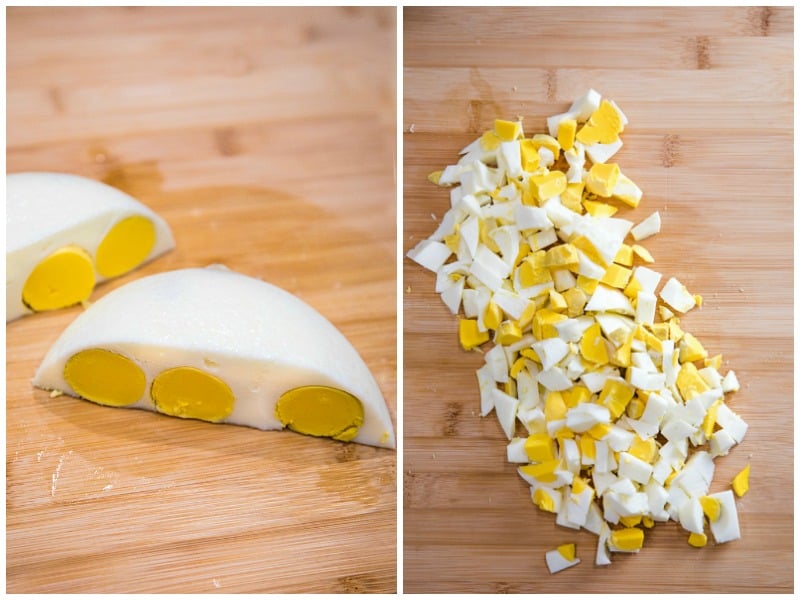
x=65, y=233
x=613, y=413
x=216, y=345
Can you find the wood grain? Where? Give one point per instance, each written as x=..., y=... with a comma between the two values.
x=708, y=92
x=266, y=138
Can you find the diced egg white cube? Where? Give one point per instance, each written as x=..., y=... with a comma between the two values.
x=726, y=527
x=691, y=515
x=601, y=153
x=634, y=468
x=677, y=296
x=505, y=407
x=649, y=226
x=731, y=422
x=429, y=254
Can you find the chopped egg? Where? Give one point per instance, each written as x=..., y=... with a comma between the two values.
x=583, y=345
x=218, y=346
x=65, y=234
x=741, y=483
x=561, y=558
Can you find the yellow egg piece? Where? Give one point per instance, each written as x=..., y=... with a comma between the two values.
x=741, y=483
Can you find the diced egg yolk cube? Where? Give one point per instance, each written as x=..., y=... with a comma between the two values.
x=540, y=447
x=587, y=285
x=530, y=275
x=576, y=300
x=602, y=178
x=644, y=449
x=490, y=141
x=492, y=316
x=572, y=197
x=621, y=357
x=561, y=256
x=579, y=484
x=555, y=408
x=690, y=382
x=575, y=395
x=509, y=333
x=507, y=131
x=615, y=396
x=544, y=472
x=469, y=335
x=587, y=447
x=599, y=431
x=628, y=539
x=543, y=324
x=604, y=126
x=593, y=345
x=566, y=133
x=741, y=483
x=557, y=301
x=631, y=521
x=710, y=419
x=548, y=185
x=543, y=500
x=691, y=349
x=711, y=507
x=635, y=409
x=529, y=155
x=599, y=209
x=624, y=256
x=616, y=276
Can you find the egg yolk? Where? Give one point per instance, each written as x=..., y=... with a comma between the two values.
x=190, y=393
x=64, y=278
x=321, y=411
x=125, y=246
x=105, y=377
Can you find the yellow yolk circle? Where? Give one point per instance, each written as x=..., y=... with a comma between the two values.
x=64, y=278
x=125, y=246
x=192, y=394
x=321, y=411
x=105, y=377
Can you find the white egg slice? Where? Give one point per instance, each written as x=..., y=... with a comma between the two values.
x=216, y=345
x=65, y=233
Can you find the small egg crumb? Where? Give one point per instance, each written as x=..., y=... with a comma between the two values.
x=741, y=483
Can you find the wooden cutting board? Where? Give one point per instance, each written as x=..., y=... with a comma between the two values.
x=709, y=96
x=266, y=138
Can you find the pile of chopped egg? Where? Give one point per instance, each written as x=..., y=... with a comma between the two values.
x=623, y=411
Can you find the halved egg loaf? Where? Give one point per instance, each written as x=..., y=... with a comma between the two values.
x=66, y=233
x=215, y=345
